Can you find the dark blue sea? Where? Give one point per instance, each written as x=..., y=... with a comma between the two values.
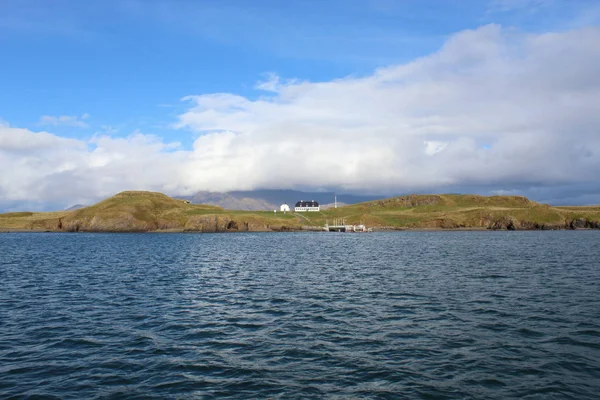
x=416, y=315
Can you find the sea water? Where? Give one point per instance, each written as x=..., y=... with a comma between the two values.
x=439, y=315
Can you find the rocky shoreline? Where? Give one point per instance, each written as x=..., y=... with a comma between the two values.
x=578, y=224
x=155, y=212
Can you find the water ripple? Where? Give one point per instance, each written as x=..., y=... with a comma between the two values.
x=439, y=315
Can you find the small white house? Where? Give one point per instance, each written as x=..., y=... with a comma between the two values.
x=284, y=207
x=303, y=206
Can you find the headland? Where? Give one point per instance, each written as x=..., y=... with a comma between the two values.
x=139, y=211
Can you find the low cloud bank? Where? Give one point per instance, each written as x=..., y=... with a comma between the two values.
x=495, y=110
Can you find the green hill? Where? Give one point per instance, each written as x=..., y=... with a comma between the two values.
x=135, y=211
x=454, y=211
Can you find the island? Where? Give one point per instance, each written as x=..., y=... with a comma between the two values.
x=140, y=211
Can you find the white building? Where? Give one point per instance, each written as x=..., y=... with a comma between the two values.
x=303, y=206
x=284, y=207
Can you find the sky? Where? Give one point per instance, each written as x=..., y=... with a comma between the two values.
x=357, y=96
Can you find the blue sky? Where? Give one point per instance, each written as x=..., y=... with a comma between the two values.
x=128, y=63
x=119, y=68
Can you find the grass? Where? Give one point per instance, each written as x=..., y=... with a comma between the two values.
x=151, y=211
x=38, y=221
x=455, y=211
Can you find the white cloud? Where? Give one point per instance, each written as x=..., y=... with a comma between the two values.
x=107, y=130
x=41, y=167
x=65, y=120
x=494, y=108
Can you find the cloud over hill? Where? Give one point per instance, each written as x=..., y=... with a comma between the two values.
x=494, y=108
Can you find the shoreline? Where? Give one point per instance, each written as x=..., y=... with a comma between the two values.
x=375, y=230
x=153, y=212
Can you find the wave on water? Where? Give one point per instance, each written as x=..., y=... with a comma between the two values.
x=501, y=315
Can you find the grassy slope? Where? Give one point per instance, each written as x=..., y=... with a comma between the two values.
x=29, y=220
x=148, y=211
x=460, y=211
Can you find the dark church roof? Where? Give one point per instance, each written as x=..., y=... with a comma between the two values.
x=307, y=204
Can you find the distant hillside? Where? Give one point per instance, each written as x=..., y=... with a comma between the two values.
x=135, y=211
x=331, y=205
x=75, y=207
x=268, y=200
x=454, y=211
x=232, y=201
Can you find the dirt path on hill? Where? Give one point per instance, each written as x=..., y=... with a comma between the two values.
x=301, y=217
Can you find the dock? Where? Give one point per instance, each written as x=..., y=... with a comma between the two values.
x=340, y=225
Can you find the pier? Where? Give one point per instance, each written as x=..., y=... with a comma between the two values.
x=340, y=225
